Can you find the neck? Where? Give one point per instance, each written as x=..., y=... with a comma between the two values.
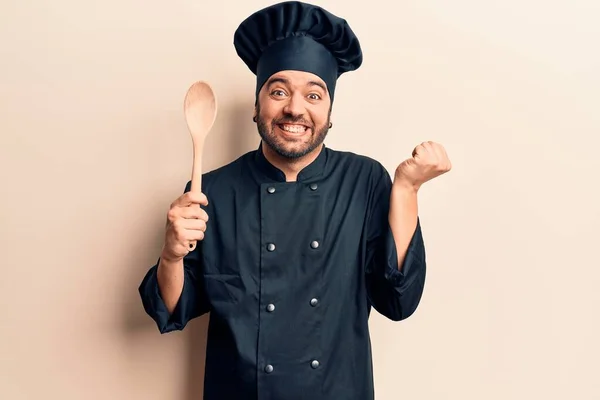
x=290, y=167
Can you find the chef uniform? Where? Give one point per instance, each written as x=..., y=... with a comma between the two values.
x=289, y=271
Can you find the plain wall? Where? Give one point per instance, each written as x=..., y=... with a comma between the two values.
x=94, y=148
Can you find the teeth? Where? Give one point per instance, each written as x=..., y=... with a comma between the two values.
x=293, y=128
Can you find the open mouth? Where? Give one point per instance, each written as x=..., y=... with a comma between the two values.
x=293, y=129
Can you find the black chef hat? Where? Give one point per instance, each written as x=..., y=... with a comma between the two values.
x=297, y=36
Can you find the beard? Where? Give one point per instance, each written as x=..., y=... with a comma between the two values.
x=286, y=148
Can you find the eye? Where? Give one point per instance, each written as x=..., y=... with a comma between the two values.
x=314, y=96
x=278, y=92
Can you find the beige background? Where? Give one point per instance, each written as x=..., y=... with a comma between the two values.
x=94, y=148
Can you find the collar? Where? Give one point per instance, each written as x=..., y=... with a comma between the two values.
x=311, y=171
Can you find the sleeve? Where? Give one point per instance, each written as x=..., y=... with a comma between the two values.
x=192, y=302
x=392, y=292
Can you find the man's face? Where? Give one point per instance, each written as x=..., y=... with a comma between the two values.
x=293, y=112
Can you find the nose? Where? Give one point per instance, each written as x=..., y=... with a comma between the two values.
x=295, y=105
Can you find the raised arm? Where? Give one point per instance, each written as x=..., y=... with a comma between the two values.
x=172, y=290
x=396, y=258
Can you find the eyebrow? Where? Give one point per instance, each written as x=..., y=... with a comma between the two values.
x=287, y=82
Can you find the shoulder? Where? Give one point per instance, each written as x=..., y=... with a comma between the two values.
x=357, y=164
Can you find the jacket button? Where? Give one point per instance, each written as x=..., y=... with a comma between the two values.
x=271, y=307
x=313, y=186
x=314, y=364
x=271, y=189
x=314, y=302
x=269, y=369
x=314, y=244
x=271, y=247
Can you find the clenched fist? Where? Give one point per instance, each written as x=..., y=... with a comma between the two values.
x=429, y=160
x=186, y=223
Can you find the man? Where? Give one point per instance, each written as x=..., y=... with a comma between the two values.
x=296, y=241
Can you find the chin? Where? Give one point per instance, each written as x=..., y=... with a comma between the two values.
x=291, y=152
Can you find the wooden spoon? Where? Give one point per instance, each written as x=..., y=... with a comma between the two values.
x=200, y=109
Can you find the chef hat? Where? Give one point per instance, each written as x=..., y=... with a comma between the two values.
x=297, y=36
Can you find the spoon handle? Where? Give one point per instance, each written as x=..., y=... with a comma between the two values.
x=196, y=185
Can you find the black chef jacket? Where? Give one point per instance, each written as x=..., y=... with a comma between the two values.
x=289, y=272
